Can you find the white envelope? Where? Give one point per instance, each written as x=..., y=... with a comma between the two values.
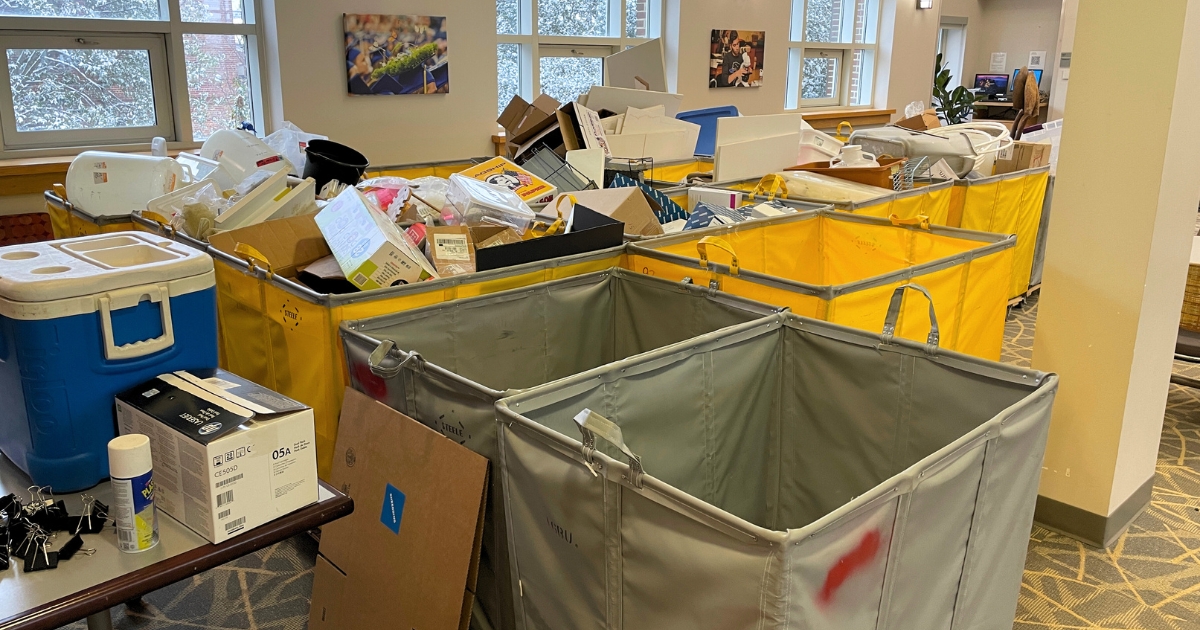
x=755, y=158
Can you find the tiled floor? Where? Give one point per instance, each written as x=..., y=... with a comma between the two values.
x=1149, y=581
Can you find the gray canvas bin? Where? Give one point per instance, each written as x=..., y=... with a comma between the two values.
x=447, y=365
x=782, y=474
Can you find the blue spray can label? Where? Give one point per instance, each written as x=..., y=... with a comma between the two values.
x=137, y=521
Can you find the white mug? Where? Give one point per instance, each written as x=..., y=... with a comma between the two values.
x=852, y=156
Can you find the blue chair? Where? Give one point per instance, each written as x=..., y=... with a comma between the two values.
x=706, y=144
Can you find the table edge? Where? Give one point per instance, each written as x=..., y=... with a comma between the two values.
x=121, y=589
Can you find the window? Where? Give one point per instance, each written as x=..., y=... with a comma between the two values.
x=108, y=72
x=558, y=46
x=831, y=53
x=952, y=42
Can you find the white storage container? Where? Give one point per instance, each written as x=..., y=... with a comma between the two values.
x=106, y=184
x=242, y=153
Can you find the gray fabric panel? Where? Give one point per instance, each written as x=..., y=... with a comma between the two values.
x=650, y=316
x=838, y=426
x=929, y=549
x=556, y=516
x=991, y=582
x=670, y=566
x=946, y=404
x=836, y=576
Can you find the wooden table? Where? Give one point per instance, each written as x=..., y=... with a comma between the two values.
x=88, y=586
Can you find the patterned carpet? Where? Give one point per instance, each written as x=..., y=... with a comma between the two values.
x=1150, y=580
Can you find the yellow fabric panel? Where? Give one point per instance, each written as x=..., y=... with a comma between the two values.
x=1009, y=206
x=787, y=250
x=857, y=251
x=864, y=309
x=421, y=170
x=60, y=221
x=928, y=247
x=1033, y=194
x=946, y=287
x=799, y=303
x=934, y=204
x=958, y=198
x=679, y=172
x=980, y=323
x=292, y=345
x=881, y=208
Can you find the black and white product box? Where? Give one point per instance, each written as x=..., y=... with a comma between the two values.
x=228, y=455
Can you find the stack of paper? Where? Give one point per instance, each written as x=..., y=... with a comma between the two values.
x=650, y=133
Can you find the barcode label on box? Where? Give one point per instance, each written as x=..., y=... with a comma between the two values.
x=452, y=247
x=225, y=497
x=223, y=514
x=234, y=524
x=360, y=279
x=225, y=482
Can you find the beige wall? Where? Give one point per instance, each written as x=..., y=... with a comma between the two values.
x=308, y=77
x=1118, y=248
x=908, y=45
x=696, y=19
x=1014, y=27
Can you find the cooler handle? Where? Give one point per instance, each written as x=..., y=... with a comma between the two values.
x=893, y=314
x=126, y=298
x=592, y=424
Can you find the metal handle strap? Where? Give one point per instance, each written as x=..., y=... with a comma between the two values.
x=592, y=424
x=893, y=314
x=921, y=221
x=382, y=352
x=721, y=244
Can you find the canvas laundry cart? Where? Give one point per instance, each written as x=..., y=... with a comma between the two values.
x=780, y=474
x=931, y=200
x=283, y=335
x=842, y=268
x=446, y=365
x=70, y=222
x=1005, y=204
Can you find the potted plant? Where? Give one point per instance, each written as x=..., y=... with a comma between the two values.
x=953, y=106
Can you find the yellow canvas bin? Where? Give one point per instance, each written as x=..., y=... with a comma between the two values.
x=843, y=268
x=1005, y=204
x=931, y=200
x=68, y=222
x=676, y=172
x=432, y=169
x=280, y=334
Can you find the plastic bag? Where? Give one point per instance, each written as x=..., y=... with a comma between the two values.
x=254, y=180
x=914, y=109
x=290, y=142
x=429, y=198
x=196, y=214
x=389, y=194
x=479, y=203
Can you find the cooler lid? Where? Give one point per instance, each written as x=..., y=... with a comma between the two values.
x=77, y=267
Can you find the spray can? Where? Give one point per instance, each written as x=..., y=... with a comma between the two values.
x=132, y=473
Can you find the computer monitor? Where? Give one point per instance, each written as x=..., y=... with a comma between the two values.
x=1037, y=76
x=991, y=84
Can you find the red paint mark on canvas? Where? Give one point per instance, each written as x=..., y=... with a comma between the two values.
x=371, y=385
x=854, y=561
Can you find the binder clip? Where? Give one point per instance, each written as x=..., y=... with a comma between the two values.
x=39, y=557
x=94, y=516
x=72, y=547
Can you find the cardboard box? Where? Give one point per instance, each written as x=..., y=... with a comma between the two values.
x=228, y=455
x=287, y=244
x=927, y=120
x=504, y=173
x=522, y=120
x=1021, y=156
x=590, y=231
x=372, y=252
x=408, y=556
x=627, y=205
x=451, y=249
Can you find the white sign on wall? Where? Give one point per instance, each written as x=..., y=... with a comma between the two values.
x=1037, y=59
x=999, y=62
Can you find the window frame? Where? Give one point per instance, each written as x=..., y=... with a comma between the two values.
x=799, y=48
x=532, y=47
x=170, y=32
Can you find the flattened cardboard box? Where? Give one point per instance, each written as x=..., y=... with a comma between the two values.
x=408, y=556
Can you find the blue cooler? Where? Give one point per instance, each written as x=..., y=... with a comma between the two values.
x=85, y=318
